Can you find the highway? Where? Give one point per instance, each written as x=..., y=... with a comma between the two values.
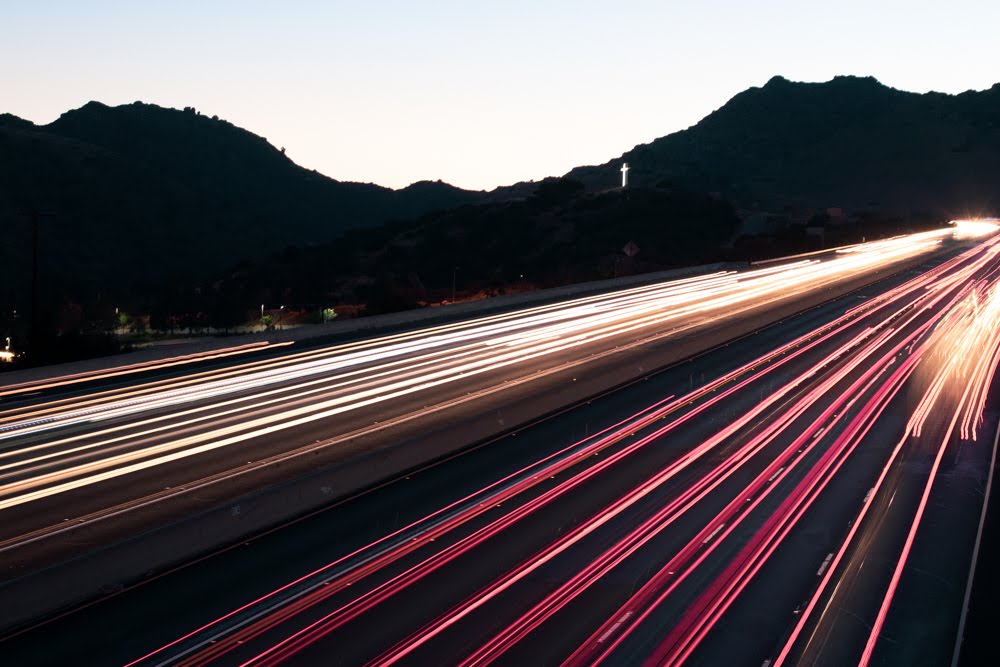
x=123, y=447
x=731, y=520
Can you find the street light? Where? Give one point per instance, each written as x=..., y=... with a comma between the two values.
x=281, y=312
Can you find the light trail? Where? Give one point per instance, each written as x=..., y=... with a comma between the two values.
x=974, y=328
x=401, y=368
x=650, y=528
x=761, y=470
x=678, y=646
x=964, y=352
x=647, y=599
x=771, y=363
x=308, y=636
x=129, y=369
x=640, y=537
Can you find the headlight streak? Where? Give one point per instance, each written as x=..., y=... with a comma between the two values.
x=122, y=464
x=670, y=294
x=332, y=621
x=763, y=484
x=945, y=306
x=684, y=638
x=644, y=602
x=634, y=311
x=78, y=378
x=305, y=637
x=61, y=405
x=777, y=358
x=397, y=345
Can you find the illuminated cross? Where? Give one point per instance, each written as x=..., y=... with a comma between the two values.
x=625, y=175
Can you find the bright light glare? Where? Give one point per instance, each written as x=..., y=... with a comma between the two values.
x=317, y=385
x=970, y=229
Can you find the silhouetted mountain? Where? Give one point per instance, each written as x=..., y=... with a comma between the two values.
x=559, y=235
x=176, y=214
x=143, y=194
x=850, y=142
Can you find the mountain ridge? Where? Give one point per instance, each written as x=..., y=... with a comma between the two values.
x=165, y=192
x=793, y=143
x=147, y=198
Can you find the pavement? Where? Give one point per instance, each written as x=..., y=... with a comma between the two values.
x=699, y=501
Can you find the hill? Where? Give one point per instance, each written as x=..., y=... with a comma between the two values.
x=143, y=195
x=179, y=216
x=560, y=234
x=850, y=142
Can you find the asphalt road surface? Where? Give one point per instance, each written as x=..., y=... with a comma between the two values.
x=124, y=451
x=806, y=495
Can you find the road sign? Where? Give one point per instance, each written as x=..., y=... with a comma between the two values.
x=631, y=249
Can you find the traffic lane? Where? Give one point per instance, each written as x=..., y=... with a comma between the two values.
x=648, y=634
x=648, y=303
x=413, y=606
x=438, y=650
x=238, y=579
x=755, y=626
x=633, y=362
x=840, y=632
x=151, y=561
x=978, y=645
x=923, y=620
x=651, y=301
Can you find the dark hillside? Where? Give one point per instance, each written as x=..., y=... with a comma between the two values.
x=850, y=142
x=143, y=194
x=559, y=235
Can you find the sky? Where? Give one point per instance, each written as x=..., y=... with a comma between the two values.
x=473, y=93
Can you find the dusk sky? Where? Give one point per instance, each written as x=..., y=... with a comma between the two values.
x=475, y=94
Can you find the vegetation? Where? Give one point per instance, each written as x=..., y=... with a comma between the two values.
x=188, y=223
x=850, y=142
x=141, y=196
x=562, y=234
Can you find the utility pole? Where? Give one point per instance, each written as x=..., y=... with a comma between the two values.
x=454, y=275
